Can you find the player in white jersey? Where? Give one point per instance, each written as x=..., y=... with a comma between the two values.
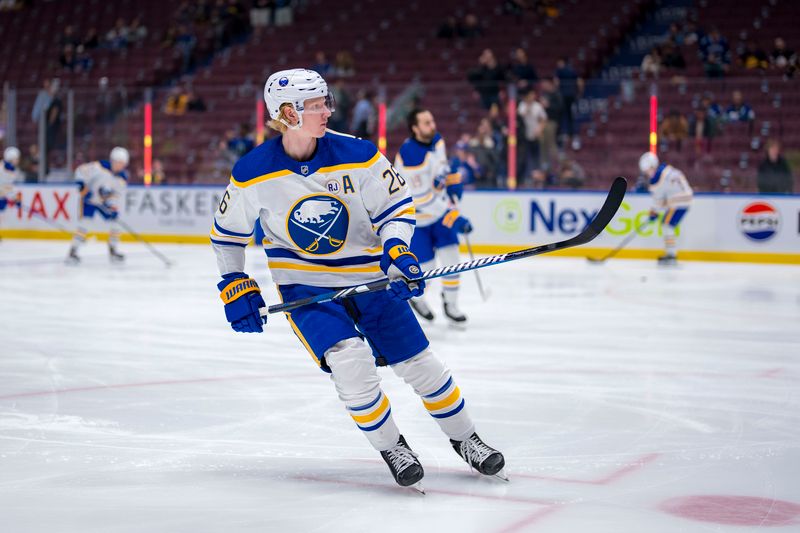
x=672, y=196
x=422, y=161
x=9, y=173
x=334, y=214
x=103, y=186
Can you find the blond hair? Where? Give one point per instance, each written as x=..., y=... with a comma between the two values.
x=276, y=124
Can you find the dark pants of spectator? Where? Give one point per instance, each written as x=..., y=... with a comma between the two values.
x=528, y=158
x=569, y=118
x=362, y=130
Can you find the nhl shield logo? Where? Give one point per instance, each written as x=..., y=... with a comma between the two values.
x=318, y=224
x=304, y=170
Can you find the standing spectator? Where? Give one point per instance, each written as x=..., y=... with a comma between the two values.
x=674, y=129
x=448, y=29
x=554, y=107
x=43, y=99
x=521, y=71
x=651, y=63
x=345, y=65
x=783, y=58
x=338, y=119
x=569, y=85
x=702, y=129
x=486, y=79
x=739, y=111
x=571, y=174
x=117, y=37
x=30, y=164
x=470, y=28
x=486, y=154
x=243, y=143
x=463, y=162
x=262, y=13
x=533, y=118
x=363, y=123
x=185, y=42
x=774, y=173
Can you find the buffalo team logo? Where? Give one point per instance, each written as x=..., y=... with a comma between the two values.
x=318, y=224
x=283, y=82
x=759, y=221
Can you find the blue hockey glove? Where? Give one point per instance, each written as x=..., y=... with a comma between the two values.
x=653, y=215
x=110, y=211
x=401, y=266
x=455, y=189
x=439, y=182
x=243, y=300
x=453, y=219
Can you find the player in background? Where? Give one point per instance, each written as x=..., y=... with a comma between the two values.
x=335, y=214
x=436, y=190
x=102, y=186
x=672, y=196
x=9, y=173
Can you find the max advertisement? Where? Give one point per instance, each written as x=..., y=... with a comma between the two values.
x=717, y=227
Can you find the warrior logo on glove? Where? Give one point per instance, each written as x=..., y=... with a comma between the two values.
x=318, y=224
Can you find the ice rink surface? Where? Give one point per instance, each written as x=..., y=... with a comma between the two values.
x=626, y=398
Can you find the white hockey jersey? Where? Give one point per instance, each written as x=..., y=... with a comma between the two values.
x=420, y=164
x=100, y=185
x=670, y=188
x=8, y=175
x=324, y=220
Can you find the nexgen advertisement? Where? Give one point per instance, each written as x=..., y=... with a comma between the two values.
x=762, y=228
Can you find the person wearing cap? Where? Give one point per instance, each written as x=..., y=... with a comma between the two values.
x=672, y=196
x=9, y=173
x=102, y=186
x=335, y=213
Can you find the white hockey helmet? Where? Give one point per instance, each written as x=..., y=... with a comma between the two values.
x=647, y=161
x=12, y=155
x=294, y=86
x=120, y=154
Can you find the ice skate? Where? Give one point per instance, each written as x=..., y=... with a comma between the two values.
x=115, y=256
x=404, y=465
x=481, y=456
x=667, y=260
x=421, y=308
x=451, y=310
x=72, y=257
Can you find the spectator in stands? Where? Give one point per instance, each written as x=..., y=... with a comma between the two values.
x=262, y=13
x=674, y=129
x=463, y=162
x=651, y=63
x=521, y=71
x=43, y=99
x=532, y=120
x=137, y=32
x=67, y=59
x=486, y=78
x=69, y=37
x=338, y=119
x=91, y=41
x=738, y=110
x=753, y=57
x=29, y=164
x=195, y=102
x=284, y=14
x=671, y=56
x=117, y=37
x=242, y=143
x=783, y=58
x=774, y=173
x=675, y=34
x=470, y=28
x=448, y=29
x=321, y=64
x=483, y=146
x=185, y=42
x=702, y=129
x=364, y=115
x=345, y=65
x=159, y=177
x=716, y=54
x=570, y=86
x=571, y=174
x=554, y=106
x=177, y=102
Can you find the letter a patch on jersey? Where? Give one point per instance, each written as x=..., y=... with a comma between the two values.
x=347, y=184
x=318, y=224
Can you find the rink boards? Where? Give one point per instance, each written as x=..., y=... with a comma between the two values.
x=720, y=227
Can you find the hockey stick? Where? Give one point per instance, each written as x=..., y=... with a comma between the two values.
x=484, y=292
x=621, y=245
x=592, y=230
x=149, y=246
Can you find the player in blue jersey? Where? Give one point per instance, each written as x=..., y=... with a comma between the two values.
x=334, y=214
x=9, y=173
x=102, y=186
x=422, y=161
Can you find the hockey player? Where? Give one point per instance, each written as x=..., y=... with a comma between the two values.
x=672, y=195
x=423, y=162
x=102, y=185
x=335, y=214
x=9, y=173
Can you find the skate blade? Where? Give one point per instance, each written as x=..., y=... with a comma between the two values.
x=418, y=487
x=502, y=475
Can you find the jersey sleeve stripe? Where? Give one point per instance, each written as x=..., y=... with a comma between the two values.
x=393, y=208
x=411, y=221
x=230, y=233
x=259, y=179
x=350, y=166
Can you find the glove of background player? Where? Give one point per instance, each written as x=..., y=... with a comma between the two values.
x=460, y=224
x=455, y=189
x=439, y=182
x=653, y=215
x=243, y=300
x=401, y=266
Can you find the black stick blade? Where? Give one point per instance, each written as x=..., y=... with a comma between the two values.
x=607, y=212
